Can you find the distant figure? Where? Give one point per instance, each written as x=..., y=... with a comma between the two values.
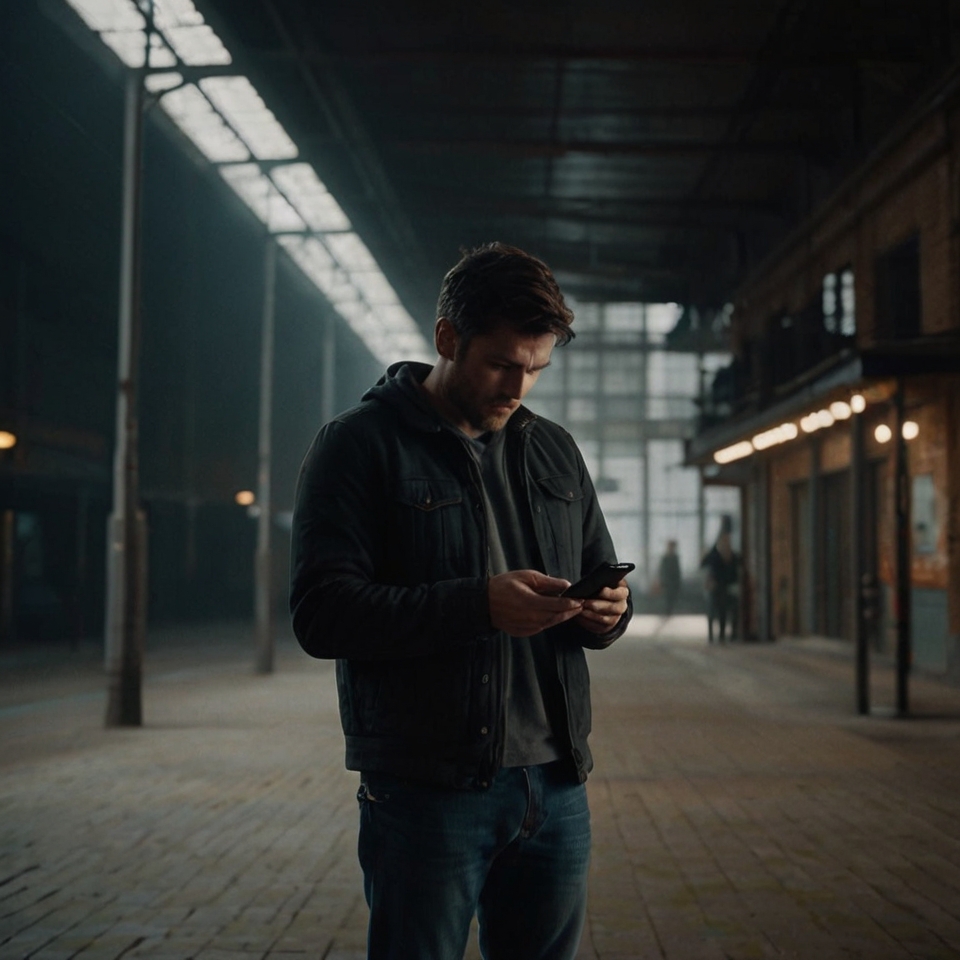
x=722, y=585
x=668, y=575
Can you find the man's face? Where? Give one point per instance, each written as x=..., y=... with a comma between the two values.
x=491, y=375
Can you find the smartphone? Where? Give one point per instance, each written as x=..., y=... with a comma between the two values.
x=606, y=575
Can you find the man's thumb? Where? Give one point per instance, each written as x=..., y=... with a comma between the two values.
x=544, y=584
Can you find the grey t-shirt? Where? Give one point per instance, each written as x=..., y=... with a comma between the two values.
x=533, y=695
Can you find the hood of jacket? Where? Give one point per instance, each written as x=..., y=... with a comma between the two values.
x=399, y=387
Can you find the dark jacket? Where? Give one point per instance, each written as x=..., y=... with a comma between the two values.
x=722, y=573
x=389, y=576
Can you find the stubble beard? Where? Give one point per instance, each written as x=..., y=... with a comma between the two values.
x=474, y=415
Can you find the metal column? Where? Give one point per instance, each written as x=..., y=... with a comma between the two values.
x=126, y=534
x=904, y=559
x=761, y=539
x=857, y=520
x=813, y=533
x=263, y=568
x=644, y=413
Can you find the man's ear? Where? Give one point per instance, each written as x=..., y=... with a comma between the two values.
x=445, y=338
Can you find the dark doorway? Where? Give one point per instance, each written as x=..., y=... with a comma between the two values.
x=836, y=590
x=800, y=560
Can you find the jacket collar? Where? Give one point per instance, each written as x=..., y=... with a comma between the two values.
x=400, y=388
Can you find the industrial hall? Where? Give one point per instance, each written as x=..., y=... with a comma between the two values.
x=339, y=342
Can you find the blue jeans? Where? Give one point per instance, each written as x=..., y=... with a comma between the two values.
x=515, y=854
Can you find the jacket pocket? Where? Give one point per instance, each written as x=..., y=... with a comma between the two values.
x=558, y=513
x=429, y=525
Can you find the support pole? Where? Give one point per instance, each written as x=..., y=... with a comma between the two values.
x=814, y=534
x=126, y=534
x=902, y=494
x=263, y=568
x=701, y=487
x=764, y=591
x=857, y=538
x=645, y=452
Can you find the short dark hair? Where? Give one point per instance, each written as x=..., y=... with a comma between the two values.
x=496, y=283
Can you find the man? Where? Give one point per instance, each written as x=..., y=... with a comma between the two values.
x=722, y=586
x=669, y=578
x=436, y=525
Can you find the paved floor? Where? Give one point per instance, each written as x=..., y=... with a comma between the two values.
x=741, y=809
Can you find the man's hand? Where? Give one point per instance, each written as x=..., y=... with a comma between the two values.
x=601, y=613
x=524, y=602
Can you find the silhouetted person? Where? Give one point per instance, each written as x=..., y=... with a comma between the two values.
x=668, y=576
x=722, y=585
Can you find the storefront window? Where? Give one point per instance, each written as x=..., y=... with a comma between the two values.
x=926, y=530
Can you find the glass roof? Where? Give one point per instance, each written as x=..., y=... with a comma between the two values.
x=227, y=120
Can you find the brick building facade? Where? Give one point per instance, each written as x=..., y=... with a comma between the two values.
x=843, y=402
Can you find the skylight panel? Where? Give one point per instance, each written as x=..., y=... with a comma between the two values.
x=113, y=15
x=191, y=112
x=387, y=330
x=176, y=13
x=337, y=288
x=159, y=82
x=304, y=189
x=129, y=46
x=396, y=317
x=197, y=46
x=262, y=197
x=193, y=40
x=350, y=252
x=308, y=253
x=241, y=106
x=229, y=123
x=358, y=315
x=374, y=286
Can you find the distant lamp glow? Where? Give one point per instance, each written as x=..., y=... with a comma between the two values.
x=735, y=452
x=245, y=498
x=883, y=433
x=7, y=440
x=810, y=423
x=825, y=418
x=911, y=430
x=858, y=403
x=841, y=410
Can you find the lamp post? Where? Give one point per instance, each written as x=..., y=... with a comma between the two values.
x=263, y=568
x=126, y=533
x=904, y=555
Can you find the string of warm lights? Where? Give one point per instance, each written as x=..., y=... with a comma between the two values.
x=816, y=420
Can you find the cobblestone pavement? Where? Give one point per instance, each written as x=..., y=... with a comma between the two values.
x=741, y=809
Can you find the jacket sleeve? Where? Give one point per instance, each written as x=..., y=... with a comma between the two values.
x=597, y=548
x=339, y=609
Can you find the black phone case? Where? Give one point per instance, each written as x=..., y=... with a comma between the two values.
x=604, y=576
